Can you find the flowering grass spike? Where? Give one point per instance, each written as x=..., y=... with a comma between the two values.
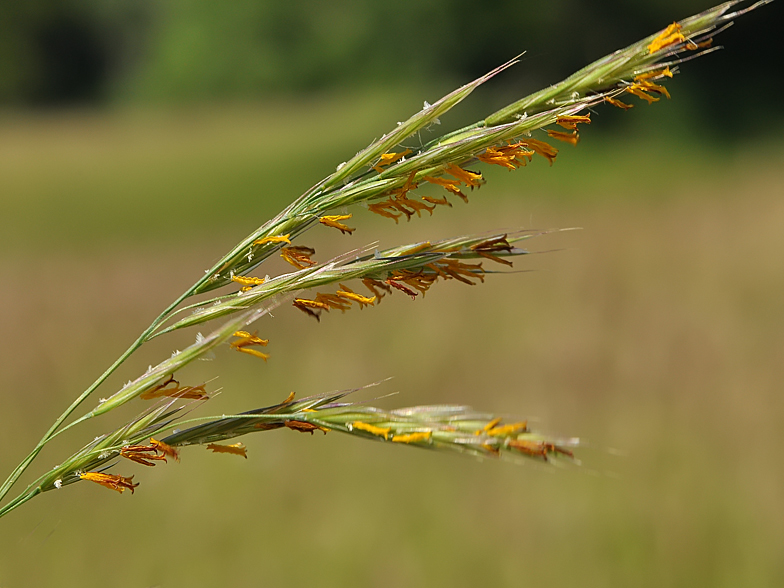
x=393, y=179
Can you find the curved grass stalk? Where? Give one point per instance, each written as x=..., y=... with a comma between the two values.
x=382, y=181
x=19, y=470
x=98, y=452
x=133, y=389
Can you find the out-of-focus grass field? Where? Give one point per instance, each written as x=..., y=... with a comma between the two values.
x=656, y=335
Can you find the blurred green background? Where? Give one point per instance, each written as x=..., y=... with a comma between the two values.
x=141, y=140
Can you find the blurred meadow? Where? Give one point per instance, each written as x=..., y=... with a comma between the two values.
x=655, y=333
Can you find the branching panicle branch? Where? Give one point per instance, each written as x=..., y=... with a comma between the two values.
x=396, y=182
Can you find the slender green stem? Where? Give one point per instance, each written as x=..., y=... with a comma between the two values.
x=19, y=501
x=53, y=430
x=19, y=470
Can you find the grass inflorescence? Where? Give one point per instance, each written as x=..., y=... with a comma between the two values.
x=395, y=181
x=454, y=428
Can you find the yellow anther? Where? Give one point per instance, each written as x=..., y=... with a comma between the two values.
x=373, y=430
x=358, y=298
x=651, y=87
x=171, y=389
x=541, y=148
x=571, y=122
x=491, y=449
x=300, y=303
x=572, y=138
x=333, y=301
x=462, y=271
x=267, y=426
x=315, y=304
x=456, y=191
x=143, y=454
x=492, y=245
x=111, y=481
x=639, y=91
x=438, y=271
x=253, y=352
x=506, y=430
x=165, y=449
x=273, y=239
x=488, y=426
x=468, y=177
x=401, y=201
x=385, y=208
x=374, y=285
x=247, y=282
x=398, y=203
x=496, y=157
x=413, y=437
x=389, y=158
x=403, y=288
x=537, y=448
x=518, y=150
x=334, y=222
x=669, y=36
x=299, y=257
x=235, y=449
x=418, y=280
x=617, y=103
x=304, y=427
x=246, y=339
x=407, y=187
x=416, y=248
x=510, y=156
x=657, y=73
x=440, y=201
x=441, y=181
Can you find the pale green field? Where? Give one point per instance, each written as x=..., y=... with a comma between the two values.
x=656, y=335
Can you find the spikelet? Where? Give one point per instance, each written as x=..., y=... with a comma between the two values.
x=384, y=178
x=113, y=482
